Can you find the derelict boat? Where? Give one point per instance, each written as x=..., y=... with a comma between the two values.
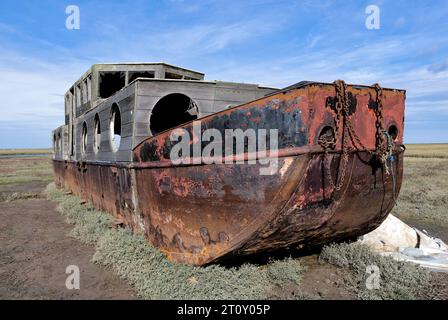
x=316, y=163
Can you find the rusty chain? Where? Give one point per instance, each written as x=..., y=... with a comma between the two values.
x=327, y=142
x=341, y=107
x=381, y=135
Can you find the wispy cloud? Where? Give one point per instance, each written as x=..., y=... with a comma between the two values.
x=274, y=43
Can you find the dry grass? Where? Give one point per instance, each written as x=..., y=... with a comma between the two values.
x=398, y=280
x=4, y=197
x=424, y=194
x=25, y=151
x=24, y=170
x=427, y=150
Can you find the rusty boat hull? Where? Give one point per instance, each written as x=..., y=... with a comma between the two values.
x=200, y=213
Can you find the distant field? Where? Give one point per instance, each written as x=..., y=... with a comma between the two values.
x=25, y=151
x=427, y=150
x=22, y=170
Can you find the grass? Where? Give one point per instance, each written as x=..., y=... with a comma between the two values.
x=25, y=151
x=25, y=170
x=427, y=150
x=18, y=196
x=153, y=276
x=423, y=197
x=398, y=280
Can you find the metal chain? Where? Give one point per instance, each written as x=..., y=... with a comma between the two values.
x=383, y=145
x=327, y=143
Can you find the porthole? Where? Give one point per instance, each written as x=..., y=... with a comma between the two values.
x=393, y=132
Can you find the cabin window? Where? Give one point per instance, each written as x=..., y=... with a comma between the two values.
x=84, y=91
x=97, y=136
x=132, y=75
x=111, y=82
x=171, y=111
x=78, y=96
x=84, y=138
x=89, y=87
x=115, y=128
x=170, y=75
x=68, y=104
x=72, y=100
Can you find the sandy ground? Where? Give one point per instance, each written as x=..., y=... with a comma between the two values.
x=35, y=250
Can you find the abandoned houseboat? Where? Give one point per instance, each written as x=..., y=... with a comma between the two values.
x=337, y=151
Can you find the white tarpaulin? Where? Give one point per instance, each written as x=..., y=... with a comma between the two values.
x=394, y=237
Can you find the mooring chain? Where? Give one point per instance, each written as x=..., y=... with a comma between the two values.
x=382, y=137
x=383, y=141
x=330, y=141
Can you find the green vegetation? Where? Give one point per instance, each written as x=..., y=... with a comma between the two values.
x=398, y=280
x=153, y=276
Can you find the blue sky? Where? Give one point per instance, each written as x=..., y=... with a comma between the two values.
x=275, y=43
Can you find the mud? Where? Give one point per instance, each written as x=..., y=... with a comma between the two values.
x=35, y=249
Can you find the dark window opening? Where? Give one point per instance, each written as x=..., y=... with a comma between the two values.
x=72, y=102
x=170, y=75
x=89, y=87
x=78, y=96
x=140, y=74
x=85, y=91
x=171, y=111
x=111, y=82
x=115, y=128
x=190, y=78
x=393, y=132
x=97, y=134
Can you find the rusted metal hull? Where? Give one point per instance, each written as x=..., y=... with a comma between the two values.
x=200, y=213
